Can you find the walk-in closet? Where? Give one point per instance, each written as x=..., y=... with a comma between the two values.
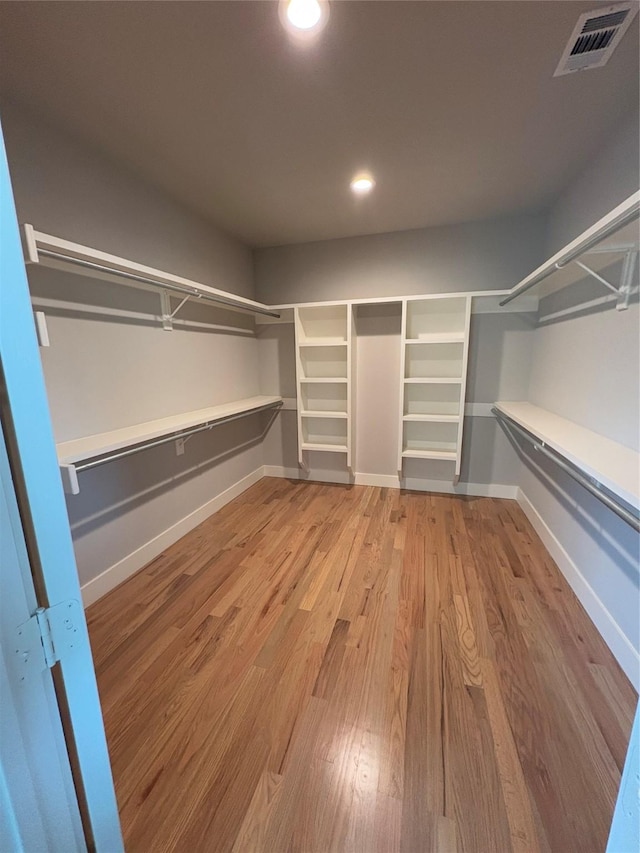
x=320, y=365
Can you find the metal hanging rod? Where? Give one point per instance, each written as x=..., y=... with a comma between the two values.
x=120, y=454
x=590, y=484
x=630, y=211
x=194, y=292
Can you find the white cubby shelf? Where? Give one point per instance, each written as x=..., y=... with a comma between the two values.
x=435, y=347
x=325, y=371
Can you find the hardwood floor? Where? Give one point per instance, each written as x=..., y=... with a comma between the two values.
x=329, y=668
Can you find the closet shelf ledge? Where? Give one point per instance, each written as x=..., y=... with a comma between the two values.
x=616, y=235
x=55, y=252
x=74, y=455
x=600, y=459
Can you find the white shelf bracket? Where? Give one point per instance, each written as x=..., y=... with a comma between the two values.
x=623, y=292
x=626, y=280
x=165, y=308
x=70, y=479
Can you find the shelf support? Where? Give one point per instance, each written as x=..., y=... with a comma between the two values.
x=626, y=280
x=623, y=292
x=165, y=308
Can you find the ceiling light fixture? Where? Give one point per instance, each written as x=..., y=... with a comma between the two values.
x=304, y=18
x=362, y=184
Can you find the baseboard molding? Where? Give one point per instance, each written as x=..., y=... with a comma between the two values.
x=390, y=481
x=120, y=571
x=621, y=648
x=477, y=490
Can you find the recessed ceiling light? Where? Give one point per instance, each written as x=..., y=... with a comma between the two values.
x=304, y=18
x=362, y=183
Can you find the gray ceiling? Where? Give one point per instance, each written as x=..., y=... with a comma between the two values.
x=452, y=105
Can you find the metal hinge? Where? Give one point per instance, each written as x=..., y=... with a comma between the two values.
x=47, y=637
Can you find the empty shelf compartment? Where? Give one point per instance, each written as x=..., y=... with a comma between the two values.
x=434, y=360
x=323, y=362
x=324, y=434
x=328, y=322
x=329, y=397
x=426, y=317
x=431, y=399
x=430, y=440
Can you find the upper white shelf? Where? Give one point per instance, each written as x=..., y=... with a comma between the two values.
x=615, y=236
x=71, y=454
x=54, y=252
x=613, y=465
x=438, y=338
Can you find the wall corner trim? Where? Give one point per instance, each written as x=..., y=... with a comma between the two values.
x=619, y=644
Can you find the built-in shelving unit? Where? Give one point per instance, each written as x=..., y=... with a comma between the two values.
x=55, y=252
x=435, y=343
x=325, y=368
x=605, y=464
x=614, y=237
x=83, y=453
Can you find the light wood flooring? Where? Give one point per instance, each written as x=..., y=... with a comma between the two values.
x=329, y=668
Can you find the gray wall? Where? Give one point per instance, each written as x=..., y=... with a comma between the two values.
x=105, y=371
x=585, y=367
x=608, y=179
x=64, y=188
x=489, y=255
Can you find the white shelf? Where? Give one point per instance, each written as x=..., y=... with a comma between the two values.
x=435, y=419
x=325, y=371
x=615, y=234
x=322, y=380
x=321, y=414
x=78, y=450
x=435, y=334
x=613, y=465
x=55, y=252
x=434, y=380
x=430, y=453
x=439, y=338
x=333, y=448
x=323, y=342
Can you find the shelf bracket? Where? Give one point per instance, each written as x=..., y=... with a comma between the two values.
x=623, y=292
x=626, y=280
x=165, y=308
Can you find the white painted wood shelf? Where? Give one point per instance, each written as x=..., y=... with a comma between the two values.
x=614, y=237
x=72, y=453
x=433, y=380
x=325, y=379
x=47, y=250
x=433, y=369
x=611, y=464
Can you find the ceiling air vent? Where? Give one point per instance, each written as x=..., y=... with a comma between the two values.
x=595, y=37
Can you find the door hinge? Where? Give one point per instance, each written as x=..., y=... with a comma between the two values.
x=47, y=637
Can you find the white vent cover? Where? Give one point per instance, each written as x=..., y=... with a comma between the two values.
x=595, y=37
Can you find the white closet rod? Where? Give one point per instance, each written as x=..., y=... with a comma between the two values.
x=110, y=457
x=590, y=484
x=164, y=285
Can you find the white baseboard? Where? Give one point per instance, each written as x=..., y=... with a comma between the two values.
x=120, y=571
x=478, y=490
x=621, y=648
x=391, y=481
x=386, y=481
